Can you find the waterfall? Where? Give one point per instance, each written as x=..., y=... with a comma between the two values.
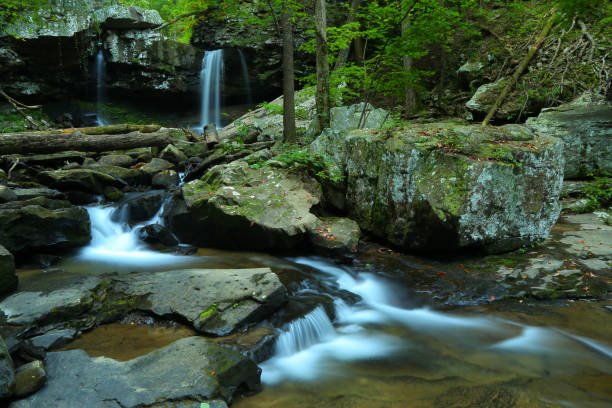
x=302, y=333
x=100, y=73
x=211, y=81
x=245, y=78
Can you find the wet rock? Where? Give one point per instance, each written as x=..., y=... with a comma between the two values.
x=29, y=193
x=192, y=369
x=585, y=126
x=487, y=396
x=257, y=344
x=8, y=276
x=236, y=206
x=43, y=223
x=173, y=155
x=2, y=176
x=30, y=308
x=84, y=180
x=53, y=339
x=156, y=165
x=123, y=175
x=53, y=159
x=215, y=301
x=7, y=194
x=30, y=378
x=7, y=374
x=336, y=234
x=448, y=186
x=167, y=179
x=157, y=234
x=139, y=207
x=120, y=160
x=140, y=154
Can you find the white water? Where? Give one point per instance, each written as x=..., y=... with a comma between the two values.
x=310, y=347
x=245, y=78
x=211, y=82
x=100, y=74
x=116, y=243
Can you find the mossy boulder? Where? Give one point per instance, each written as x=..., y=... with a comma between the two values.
x=585, y=126
x=123, y=175
x=236, y=206
x=30, y=378
x=8, y=277
x=83, y=180
x=484, y=98
x=43, y=223
x=447, y=186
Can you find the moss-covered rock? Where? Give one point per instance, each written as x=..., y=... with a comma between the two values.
x=7, y=375
x=585, y=126
x=8, y=277
x=84, y=180
x=446, y=186
x=43, y=223
x=30, y=378
x=236, y=206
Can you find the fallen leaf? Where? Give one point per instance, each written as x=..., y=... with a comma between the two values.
x=492, y=298
x=582, y=242
x=440, y=273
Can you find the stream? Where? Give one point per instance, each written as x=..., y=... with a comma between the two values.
x=354, y=336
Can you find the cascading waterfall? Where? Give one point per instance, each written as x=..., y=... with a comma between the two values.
x=245, y=78
x=211, y=82
x=100, y=73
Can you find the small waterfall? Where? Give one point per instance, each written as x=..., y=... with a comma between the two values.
x=211, y=81
x=302, y=333
x=100, y=74
x=245, y=78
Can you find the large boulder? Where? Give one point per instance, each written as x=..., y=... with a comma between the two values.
x=30, y=378
x=8, y=277
x=43, y=223
x=510, y=110
x=237, y=206
x=7, y=373
x=447, y=186
x=188, y=370
x=585, y=126
x=139, y=206
x=123, y=18
x=84, y=180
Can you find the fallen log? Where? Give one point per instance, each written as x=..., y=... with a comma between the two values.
x=74, y=139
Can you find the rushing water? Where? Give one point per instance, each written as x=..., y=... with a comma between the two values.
x=100, y=74
x=353, y=338
x=211, y=82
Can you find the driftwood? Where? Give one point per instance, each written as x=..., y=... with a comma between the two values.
x=19, y=107
x=101, y=139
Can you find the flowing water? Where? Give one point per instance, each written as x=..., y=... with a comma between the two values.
x=353, y=337
x=100, y=74
x=211, y=82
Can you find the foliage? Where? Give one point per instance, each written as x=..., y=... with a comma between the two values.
x=599, y=192
x=317, y=165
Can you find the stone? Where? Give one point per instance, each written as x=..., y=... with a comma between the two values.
x=215, y=301
x=336, y=234
x=8, y=276
x=29, y=193
x=2, y=176
x=446, y=186
x=167, y=179
x=468, y=72
x=237, y=206
x=484, y=98
x=586, y=131
x=188, y=370
x=120, y=160
x=173, y=155
x=7, y=194
x=138, y=207
x=157, y=234
x=53, y=159
x=7, y=374
x=84, y=180
x=43, y=223
x=54, y=339
x=30, y=378
x=125, y=176
x=30, y=308
x=156, y=165
x=124, y=18
x=347, y=118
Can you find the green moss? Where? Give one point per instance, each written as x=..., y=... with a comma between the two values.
x=212, y=309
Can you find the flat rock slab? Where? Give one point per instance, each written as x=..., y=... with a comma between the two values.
x=215, y=301
x=188, y=370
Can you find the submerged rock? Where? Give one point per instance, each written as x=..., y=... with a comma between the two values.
x=447, y=187
x=236, y=206
x=43, y=223
x=157, y=234
x=585, y=126
x=336, y=234
x=8, y=276
x=139, y=207
x=188, y=370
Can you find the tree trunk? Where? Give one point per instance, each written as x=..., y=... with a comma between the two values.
x=322, y=95
x=289, y=133
x=409, y=93
x=519, y=70
x=59, y=141
x=344, y=53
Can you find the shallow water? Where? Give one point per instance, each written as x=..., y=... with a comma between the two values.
x=357, y=337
